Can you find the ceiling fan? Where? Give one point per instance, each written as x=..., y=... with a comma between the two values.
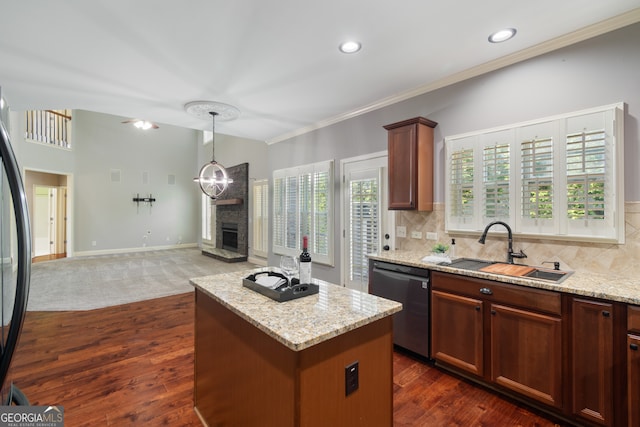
x=142, y=124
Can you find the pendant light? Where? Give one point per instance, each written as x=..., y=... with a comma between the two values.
x=213, y=177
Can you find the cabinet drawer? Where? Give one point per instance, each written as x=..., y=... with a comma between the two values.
x=633, y=318
x=521, y=296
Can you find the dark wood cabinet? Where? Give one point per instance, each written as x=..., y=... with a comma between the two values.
x=526, y=350
x=410, y=144
x=633, y=365
x=633, y=378
x=516, y=344
x=593, y=358
x=456, y=336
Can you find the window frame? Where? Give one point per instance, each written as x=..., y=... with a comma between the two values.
x=559, y=128
x=287, y=221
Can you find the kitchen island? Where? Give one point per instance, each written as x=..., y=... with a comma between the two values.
x=263, y=363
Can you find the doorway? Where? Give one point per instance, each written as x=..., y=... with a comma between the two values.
x=47, y=200
x=367, y=223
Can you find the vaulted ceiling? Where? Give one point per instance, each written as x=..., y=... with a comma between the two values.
x=277, y=61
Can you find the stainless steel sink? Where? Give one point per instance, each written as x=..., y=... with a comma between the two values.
x=469, y=263
x=555, y=276
x=549, y=275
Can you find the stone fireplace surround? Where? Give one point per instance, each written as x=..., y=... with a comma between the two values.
x=233, y=207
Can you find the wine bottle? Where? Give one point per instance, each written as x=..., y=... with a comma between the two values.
x=305, y=263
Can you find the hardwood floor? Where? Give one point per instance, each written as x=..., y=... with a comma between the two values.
x=132, y=365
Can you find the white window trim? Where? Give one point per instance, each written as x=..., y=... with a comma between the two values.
x=327, y=259
x=614, y=233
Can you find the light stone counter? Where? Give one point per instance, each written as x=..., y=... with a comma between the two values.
x=608, y=287
x=303, y=322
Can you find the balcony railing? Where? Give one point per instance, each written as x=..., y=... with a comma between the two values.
x=49, y=127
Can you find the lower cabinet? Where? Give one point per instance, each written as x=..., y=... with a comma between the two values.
x=633, y=378
x=526, y=353
x=457, y=337
x=575, y=357
x=592, y=349
x=506, y=335
x=633, y=365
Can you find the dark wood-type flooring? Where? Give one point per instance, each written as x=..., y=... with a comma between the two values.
x=132, y=365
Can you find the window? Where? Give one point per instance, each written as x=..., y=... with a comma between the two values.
x=559, y=177
x=302, y=206
x=260, y=218
x=51, y=127
x=208, y=218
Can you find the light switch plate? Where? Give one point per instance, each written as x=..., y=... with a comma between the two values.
x=401, y=231
x=416, y=234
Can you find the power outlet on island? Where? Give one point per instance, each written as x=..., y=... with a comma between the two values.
x=351, y=378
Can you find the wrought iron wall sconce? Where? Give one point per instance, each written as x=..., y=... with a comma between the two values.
x=139, y=199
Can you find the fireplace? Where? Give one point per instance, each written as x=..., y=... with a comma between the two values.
x=230, y=236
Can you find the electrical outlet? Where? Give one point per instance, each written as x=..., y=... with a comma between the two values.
x=351, y=378
x=416, y=234
x=432, y=236
x=401, y=231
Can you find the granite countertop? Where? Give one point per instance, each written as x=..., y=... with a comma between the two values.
x=605, y=286
x=303, y=322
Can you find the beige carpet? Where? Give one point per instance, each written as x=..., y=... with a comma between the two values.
x=85, y=283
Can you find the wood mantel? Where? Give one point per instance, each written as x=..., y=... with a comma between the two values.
x=224, y=202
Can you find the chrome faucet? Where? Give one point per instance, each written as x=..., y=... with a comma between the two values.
x=510, y=254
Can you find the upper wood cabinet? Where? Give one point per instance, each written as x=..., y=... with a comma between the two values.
x=411, y=164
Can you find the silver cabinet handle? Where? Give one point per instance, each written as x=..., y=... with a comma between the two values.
x=486, y=291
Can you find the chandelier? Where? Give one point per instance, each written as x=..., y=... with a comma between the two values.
x=213, y=177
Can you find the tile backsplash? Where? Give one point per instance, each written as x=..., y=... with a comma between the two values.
x=583, y=256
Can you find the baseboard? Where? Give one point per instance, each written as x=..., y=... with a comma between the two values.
x=262, y=262
x=130, y=250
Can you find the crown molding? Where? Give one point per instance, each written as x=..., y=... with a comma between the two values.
x=574, y=37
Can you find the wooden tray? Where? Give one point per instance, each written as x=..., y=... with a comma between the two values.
x=282, y=293
x=508, y=269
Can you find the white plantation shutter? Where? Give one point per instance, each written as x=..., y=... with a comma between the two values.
x=560, y=177
x=536, y=145
x=592, y=200
x=364, y=218
x=303, y=203
x=261, y=218
x=322, y=231
x=496, y=176
x=460, y=196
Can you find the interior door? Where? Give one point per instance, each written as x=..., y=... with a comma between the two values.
x=44, y=220
x=367, y=222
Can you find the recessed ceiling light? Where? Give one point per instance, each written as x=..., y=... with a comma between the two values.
x=350, y=47
x=502, y=35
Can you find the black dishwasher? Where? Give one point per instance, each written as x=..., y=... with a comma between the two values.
x=409, y=286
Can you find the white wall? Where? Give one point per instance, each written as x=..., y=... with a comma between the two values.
x=600, y=71
x=103, y=211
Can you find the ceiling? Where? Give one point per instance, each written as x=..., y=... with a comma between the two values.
x=277, y=61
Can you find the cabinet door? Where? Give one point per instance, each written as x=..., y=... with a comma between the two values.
x=592, y=347
x=633, y=369
x=456, y=335
x=526, y=353
x=403, y=164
